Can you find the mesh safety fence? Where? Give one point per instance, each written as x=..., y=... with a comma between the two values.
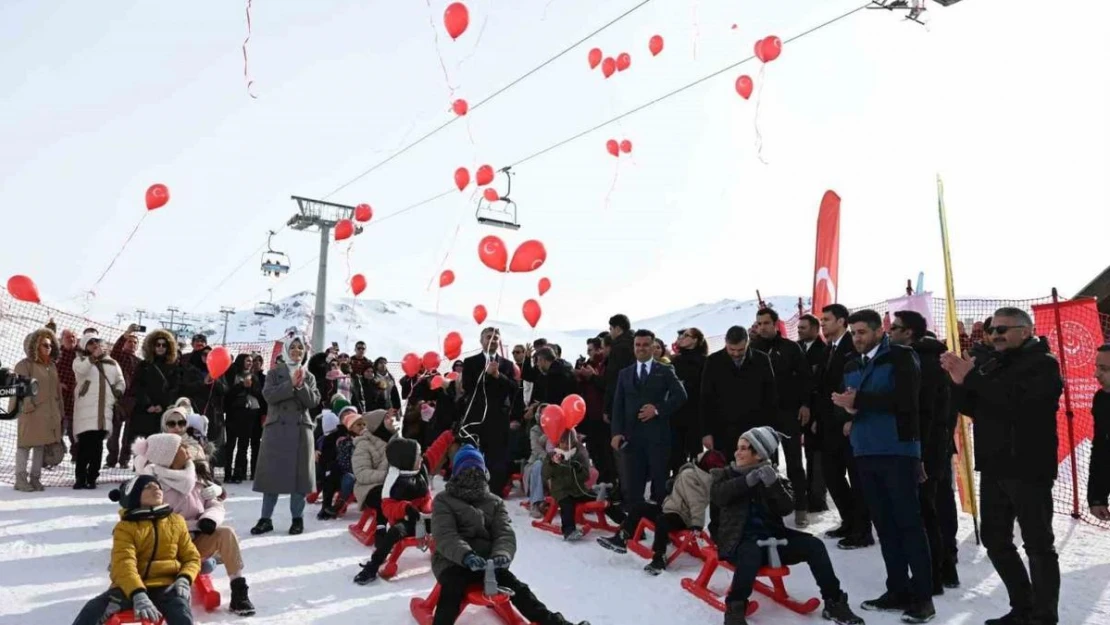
x=1074, y=326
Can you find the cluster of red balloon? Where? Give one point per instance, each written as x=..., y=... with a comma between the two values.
x=345, y=229
x=482, y=177
x=623, y=61
x=529, y=256
x=554, y=420
x=615, y=148
x=766, y=50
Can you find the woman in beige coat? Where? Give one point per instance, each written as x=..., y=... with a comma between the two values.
x=40, y=417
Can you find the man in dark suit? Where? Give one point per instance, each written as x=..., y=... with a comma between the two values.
x=647, y=394
x=488, y=390
x=838, y=460
x=809, y=339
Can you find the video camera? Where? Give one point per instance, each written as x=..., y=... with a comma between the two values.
x=16, y=387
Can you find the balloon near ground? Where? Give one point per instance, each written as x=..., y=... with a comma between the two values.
x=430, y=361
x=574, y=410
x=219, y=361
x=553, y=423
x=23, y=289
x=410, y=364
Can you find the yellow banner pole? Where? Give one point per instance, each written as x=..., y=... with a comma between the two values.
x=963, y=459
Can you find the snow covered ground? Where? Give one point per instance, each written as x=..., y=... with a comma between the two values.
x=54, y=553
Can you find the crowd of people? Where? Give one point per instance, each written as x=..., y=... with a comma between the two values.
x=733, y=442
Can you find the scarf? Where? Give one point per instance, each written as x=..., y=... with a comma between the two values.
x=749, y=469
x=181, y=480
x=470, y=485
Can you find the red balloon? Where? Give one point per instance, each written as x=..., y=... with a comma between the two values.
x=624, y=60
x=613, y=147
x=410, y=364
x=574, y=409
x=529, y=256
x=157, y=196
x=553, y=422
x=446, y=278
x=452, y=345
x=484, y=175
x=436, y=383
x=358, y=284
x=626, y=146
x=454, y=375
x=479, y=313
x=744, y=86
x=218, y=361
x=23, y=289
x=491, y=194
x=460, y=107
x=462, y=178
x=544, y=286
x=608, y=66
x=595, y=58
x=363, y=212
x=516, y=372
x=655, y=45
x=430, y=361
x=493, y=254
x=532, y=312
x=456, y=18
x=344, y=229
x=768, y=49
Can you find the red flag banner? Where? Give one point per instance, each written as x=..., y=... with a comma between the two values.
x=1082, y=336
x=826, y=263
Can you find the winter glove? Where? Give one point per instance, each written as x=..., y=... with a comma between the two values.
x=752, y=478
x=206, y=526
x=474, y=562
x=501, y=562
x=210, y=492
x=767, y=474
x=144, y=608
x=183, y=587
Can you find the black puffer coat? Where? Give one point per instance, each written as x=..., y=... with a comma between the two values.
x=460, y=527
x=731, y=494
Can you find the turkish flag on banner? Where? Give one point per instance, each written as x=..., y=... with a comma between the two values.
x=275, y=352
x=826, y=263
x=1082, y=336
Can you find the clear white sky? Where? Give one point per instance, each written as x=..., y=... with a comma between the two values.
x=1008, y=99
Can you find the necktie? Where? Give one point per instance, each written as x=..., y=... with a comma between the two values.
x=643, y=371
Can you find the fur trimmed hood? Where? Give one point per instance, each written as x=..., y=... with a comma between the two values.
x=32, y=340
x=171, y=349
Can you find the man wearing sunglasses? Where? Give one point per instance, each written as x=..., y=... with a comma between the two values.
x=1013, y=398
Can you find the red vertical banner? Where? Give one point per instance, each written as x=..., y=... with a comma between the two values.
x=826, y=263
x=275, y=352
x=1081, y=337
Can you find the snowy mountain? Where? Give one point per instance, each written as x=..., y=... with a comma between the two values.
x=393, y=328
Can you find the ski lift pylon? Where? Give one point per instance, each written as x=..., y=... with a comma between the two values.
x=274, y=263
x=499, y=217
x=268, y=308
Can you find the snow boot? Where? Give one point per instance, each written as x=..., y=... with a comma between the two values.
x=575, y=535
x=656, y=566
x=369, y=572
x=36, y=483
x=919, y=612
x=326, y=513
x=801, y=519
x=240, y=603
x=264, y=526
x=21, y=483
x=840, y=612
x=856, y=542
x=949, y=576
x=888, y=602
x=617, y=542
x=297, y=527
x=736, y=613
x=1012, y=618
x=841, y=532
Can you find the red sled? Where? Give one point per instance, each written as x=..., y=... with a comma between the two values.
x=684, y=541
x=581, y=510
x=776, y=591
x=127, y=617
x=312, y=497
x=389, y=569
x=513, y=480
x=424, y=609
x=366, y=527
x=204, y=595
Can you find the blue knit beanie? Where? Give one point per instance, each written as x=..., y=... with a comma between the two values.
x=468, y=457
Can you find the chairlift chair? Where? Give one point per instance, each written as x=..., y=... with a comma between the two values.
x=915, y=8
x=268, y=308
x=499, y=217
x=274, y=263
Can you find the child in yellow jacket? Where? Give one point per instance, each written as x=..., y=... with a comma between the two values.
x=154, y=561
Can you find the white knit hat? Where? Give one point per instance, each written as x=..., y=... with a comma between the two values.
x=89, y=335
x=328, y=422
x=199, y=423
x=159, y=449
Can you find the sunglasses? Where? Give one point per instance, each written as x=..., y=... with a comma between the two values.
x=176, y=424
x=161, y=344
x=895, y=326
x=1004, y=329
x=360, y=348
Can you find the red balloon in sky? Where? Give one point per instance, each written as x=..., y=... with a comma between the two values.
x=460, y=107
x=624, y=60
x=655, y=45
x=532, y=312
x=608, y=66
x=23, y=289
x=491, y=194
x=595, y=58
x=446, y=278
x=344, y=229
x=493, y=254
x=544, y=286
x=462, y=178
x=452, y=345
x=479, y=313
x=529, y=256
x=363, y=212
x=484, y=175
x=613, y=147
x=358, y=284
x=626, y=146
x=744, y=86
x=430, y=361
x=456, y=18
x=768, y=49
x=157, y=196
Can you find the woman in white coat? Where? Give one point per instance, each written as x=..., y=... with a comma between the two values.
x=100, y=384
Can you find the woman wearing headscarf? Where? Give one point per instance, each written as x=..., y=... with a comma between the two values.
x=286, y=459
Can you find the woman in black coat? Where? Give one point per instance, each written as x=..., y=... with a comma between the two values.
x=243, y=405
x=688, y=362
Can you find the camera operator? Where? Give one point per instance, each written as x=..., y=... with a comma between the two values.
x=40, y=416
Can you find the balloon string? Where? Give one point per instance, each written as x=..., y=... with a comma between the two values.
x=697, y=27
x=477, y=41
x=246, y=72
x=442, y=64
x=616, y=174
x=92, y=289
x=500, y=293
x=758, y=134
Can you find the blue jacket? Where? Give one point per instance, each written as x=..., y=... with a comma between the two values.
x=887, y=390
x=661, y=389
